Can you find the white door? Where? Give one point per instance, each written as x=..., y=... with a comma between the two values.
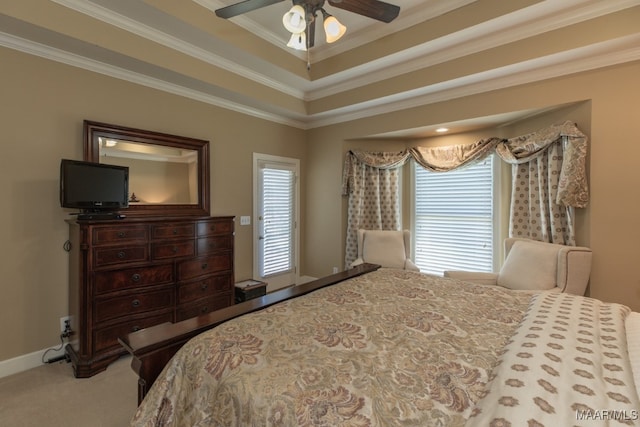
x=276, y=212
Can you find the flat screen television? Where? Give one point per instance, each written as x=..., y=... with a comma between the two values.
x=94, y=188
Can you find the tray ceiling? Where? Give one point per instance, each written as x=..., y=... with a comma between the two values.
x=435, y=50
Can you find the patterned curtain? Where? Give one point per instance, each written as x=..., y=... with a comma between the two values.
x=534, y=212
x=548, y=182
x=372, y=182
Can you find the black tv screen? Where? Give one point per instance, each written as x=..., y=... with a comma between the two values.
x=93, y=187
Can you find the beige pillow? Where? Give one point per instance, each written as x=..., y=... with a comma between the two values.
x=529, y=266
x=384, y=247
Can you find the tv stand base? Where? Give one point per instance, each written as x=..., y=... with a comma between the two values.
x=100, y=216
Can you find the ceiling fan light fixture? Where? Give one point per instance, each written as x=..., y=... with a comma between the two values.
x=294, y=20
x=298, y=41
x=333, y=29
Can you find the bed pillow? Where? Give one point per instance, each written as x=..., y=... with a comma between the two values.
x=529, y=266
x=384, y=247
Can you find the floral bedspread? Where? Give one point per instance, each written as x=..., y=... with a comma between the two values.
x=389, y=348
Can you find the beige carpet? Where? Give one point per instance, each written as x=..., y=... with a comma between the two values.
x=50, y=396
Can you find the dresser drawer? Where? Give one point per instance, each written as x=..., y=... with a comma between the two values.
x=112, y=308
x=204, y=265
x=109, y=281
x=205, y=287
x=204, y=306
x=139, y=272
x=173, y=249
x=120, y=234
x=168, y=231
x=210, y=228
x=207, y=245
x=119, y=255
x=106, y=338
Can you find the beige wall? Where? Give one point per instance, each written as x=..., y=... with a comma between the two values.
x=159, y=182
x=42, y=107
x=604, y=105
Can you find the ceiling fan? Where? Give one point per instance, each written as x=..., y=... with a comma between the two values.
x=300, y=20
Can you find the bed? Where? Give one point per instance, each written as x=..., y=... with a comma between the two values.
x=390, y=347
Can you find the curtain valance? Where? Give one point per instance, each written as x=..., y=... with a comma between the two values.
x=572, y=186
x=443, y=159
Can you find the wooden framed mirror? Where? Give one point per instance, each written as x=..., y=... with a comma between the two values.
x=168, y=174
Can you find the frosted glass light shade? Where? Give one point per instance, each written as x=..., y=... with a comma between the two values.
x=333, y=29
x=298, y=41
x=294, y=20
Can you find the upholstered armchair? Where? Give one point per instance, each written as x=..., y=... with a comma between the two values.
x=387, y=248
x=533, y=265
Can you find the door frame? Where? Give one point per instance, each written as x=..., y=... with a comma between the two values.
x=291, y=162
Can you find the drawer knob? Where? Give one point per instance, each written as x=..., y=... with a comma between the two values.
x=175, y=249
x=204, y=265
x=135, y=303
x=121, y=234
x=121, y=254
x=135, y=328
x=204, y=286
x=175, y=231
x=204, y=310
x=135, y=277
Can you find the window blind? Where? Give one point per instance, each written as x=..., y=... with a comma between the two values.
x=277, y=220
x=453, y=218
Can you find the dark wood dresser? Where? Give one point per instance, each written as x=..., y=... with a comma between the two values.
x=129, y=274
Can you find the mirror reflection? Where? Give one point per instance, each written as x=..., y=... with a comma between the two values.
x=157, y=174
x=168, y=174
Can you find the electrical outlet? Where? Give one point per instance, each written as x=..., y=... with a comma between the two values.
x=65, y=324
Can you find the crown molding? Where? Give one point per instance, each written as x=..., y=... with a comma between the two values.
x=74, y=60
x=625, y=49
x=604, y=54
x=140, y=29
x=500, y=31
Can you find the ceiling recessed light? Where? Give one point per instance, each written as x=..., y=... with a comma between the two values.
x=441, y=130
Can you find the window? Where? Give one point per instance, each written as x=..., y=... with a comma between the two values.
x=454, y=218
x=276, y=220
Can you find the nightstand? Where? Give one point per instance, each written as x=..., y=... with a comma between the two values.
x=249, y=289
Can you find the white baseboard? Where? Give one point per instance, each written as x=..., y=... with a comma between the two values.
x=27, y=361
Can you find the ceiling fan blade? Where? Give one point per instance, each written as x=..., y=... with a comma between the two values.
x=243, y=7
x=375, y=9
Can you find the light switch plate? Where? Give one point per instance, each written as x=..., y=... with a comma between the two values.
x=245, y=220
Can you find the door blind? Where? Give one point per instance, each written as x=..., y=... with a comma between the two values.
x=454, y=218
x=277, y=220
